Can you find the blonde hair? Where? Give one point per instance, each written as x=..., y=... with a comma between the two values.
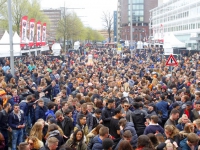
x=36, y=142
x=37, y=130
x=172, y=129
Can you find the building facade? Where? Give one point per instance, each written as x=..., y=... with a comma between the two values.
x=182, y=17
x=140, y=19
x=54, y=17
x=115, y=26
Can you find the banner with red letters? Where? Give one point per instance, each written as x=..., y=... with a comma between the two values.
x=23, y=29
x=31, y=32
x=44, y=34
x=38, y=34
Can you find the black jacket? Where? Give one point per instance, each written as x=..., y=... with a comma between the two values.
x=67, y=126
x=138, y=117
x=40, y=112
x=107, y=115
x=4, y=120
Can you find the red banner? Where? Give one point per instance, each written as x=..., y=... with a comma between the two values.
x=38, y=38
x=44, y=26
x=31, y=32
x=23, y=38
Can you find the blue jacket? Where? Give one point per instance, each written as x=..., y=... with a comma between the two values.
x=55, y=90
x=184, y=146
x=40, y=112
x=162, y=107
x=23, y=105
x=13, y=120
x=95, y=143
x=68, y=90
x=50, y=113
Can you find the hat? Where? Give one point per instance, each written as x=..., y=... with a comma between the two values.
x=2, y=92
x=174, y=105
x=107, y=143
x=188, y=103
x=164, y=87
x=154, y=88
x=197, y=102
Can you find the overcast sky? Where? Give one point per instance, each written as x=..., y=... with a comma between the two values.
x=92, y=12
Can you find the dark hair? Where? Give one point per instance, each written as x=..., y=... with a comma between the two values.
x=6, y=105
x=63, y=103
x=75, y=142
x=52, y=127
x=162, y=97
x=138, y=99
x=153, y=139
x=136, y=105
x=174, y=111
x=67, y=111
x=125, y=145
x=154, y=118
x=81, y=116
x=51, y=105
x=117, y=111
x=97, y=111
x=107, y=143
x=144, y=141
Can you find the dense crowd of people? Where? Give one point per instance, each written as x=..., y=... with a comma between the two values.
x=119, y=101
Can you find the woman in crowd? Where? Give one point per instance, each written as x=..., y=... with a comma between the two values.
x=37, y=130
x=94, y=132
x=54, y=132
x=144, y=142
x=125, y=145
x=35, y=143
x=172, y=134
x=76, y=142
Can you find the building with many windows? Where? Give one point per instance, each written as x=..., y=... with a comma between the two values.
x=182, y=17
x=140, y=18
x=54, y=17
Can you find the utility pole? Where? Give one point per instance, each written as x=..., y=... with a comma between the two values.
x=131, y=27
x=11, y=37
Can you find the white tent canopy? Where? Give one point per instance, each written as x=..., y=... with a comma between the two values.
x=170, y=41
x=5, y=47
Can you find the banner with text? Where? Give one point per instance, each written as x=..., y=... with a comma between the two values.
x=31, y=32
x=23, y=29
x=44, y=26
x=38, y=38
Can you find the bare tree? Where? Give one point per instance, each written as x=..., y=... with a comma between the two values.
x=107, y=19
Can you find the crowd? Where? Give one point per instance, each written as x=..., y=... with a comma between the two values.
x=118, y=102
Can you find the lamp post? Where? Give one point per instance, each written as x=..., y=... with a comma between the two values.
x=131, y=27
x=10, y=37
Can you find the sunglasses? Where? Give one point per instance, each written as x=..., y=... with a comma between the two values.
x=126, y=105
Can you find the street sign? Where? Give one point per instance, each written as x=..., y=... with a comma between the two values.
x=171, y=61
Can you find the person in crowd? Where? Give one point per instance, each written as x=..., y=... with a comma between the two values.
x=108, y=112
x=75, y=113
x=88, y=115
x=94, y=132
x=174, y=115
x=65, y=124
x=189, y=143
x=154, y=127
x=2, y=142
x=77, y=141
x=96, y=142
x=138, y=119
x=172, y=133
x=52, y=144
x=53, y=131
x=51, y=109
x=40, y=110
x=24, y=146
x=82, y=125
x=107, y=144
x=97, y=117
x=196, y=110
x=44, y=98
x=162, y=109
x=17, y=123
x=35, y=143
x=124, y=126
x=64, y=107
x=114, y=126
x=127, y=112
x=188, y=110
x=182, y=121
x=37, y=130
x=126, y=136
x=125, y=145
x=4, y=127
x=144, y=142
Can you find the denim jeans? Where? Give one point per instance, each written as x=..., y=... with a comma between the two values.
x=17, y=138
